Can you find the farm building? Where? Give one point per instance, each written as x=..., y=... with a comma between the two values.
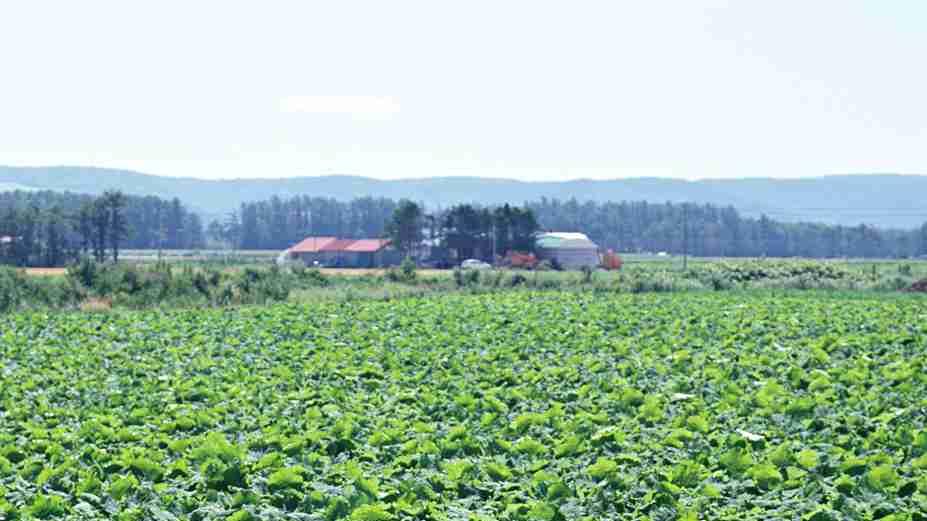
x=568, y=249
x=345, y=253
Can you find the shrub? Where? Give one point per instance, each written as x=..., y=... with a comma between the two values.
x=83, y=271
x=494, y=279
x=714, y=280
x=161, y=284
x=896, y=283
x=544, y=265
x=260, y=286
x=464, y=278
x=472, y=277
x=18, y=291
x=408, y=269
x=655, y=282
x=549, y=284
x=405, y=274
x=313, y=277
x=11, y=285
x=587, y=274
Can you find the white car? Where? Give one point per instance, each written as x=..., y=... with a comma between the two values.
x=474, y=264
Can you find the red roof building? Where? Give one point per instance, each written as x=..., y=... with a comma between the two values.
x=311, y=244
x=348, y=253
x=367, y=245
x=337, y=245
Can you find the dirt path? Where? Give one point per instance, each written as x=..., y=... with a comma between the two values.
x=50, y=272
x=46, y=272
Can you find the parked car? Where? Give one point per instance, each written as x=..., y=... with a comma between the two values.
x=474, y=264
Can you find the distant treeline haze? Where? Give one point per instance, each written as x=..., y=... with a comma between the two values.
x=277, y=223
x=702, y=230
x=714, y=231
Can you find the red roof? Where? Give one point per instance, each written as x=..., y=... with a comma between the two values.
x=312, y=244
x=332, y=244
x=337, y=245
x=368, y=245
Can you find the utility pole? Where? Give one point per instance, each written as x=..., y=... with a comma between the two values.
x=160, y=233
x=685, y=236
x=494, y=242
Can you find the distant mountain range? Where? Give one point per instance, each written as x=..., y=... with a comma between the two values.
x=11, y=187
x=886, y=200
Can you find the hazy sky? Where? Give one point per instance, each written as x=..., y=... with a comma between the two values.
x=526, y=89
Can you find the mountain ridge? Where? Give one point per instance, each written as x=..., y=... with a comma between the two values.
x=886, y=200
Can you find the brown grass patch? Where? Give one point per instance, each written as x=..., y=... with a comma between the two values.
x=96, y=304
x=46, y=272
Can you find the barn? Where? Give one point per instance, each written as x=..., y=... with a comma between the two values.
x=571, y=250
x=345, y=253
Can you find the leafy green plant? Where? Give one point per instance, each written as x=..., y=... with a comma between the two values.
x=291, y=477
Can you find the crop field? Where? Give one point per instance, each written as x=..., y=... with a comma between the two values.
x=503, y=406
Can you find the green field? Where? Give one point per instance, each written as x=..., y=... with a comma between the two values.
x=518, y=406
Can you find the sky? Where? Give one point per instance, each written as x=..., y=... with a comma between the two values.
x=532, y=90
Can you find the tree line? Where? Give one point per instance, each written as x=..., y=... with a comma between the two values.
x=463, y=231
x=472, y=230
x=50, y=228
x=46, y=228
x=713, y=231
x=277, y=223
